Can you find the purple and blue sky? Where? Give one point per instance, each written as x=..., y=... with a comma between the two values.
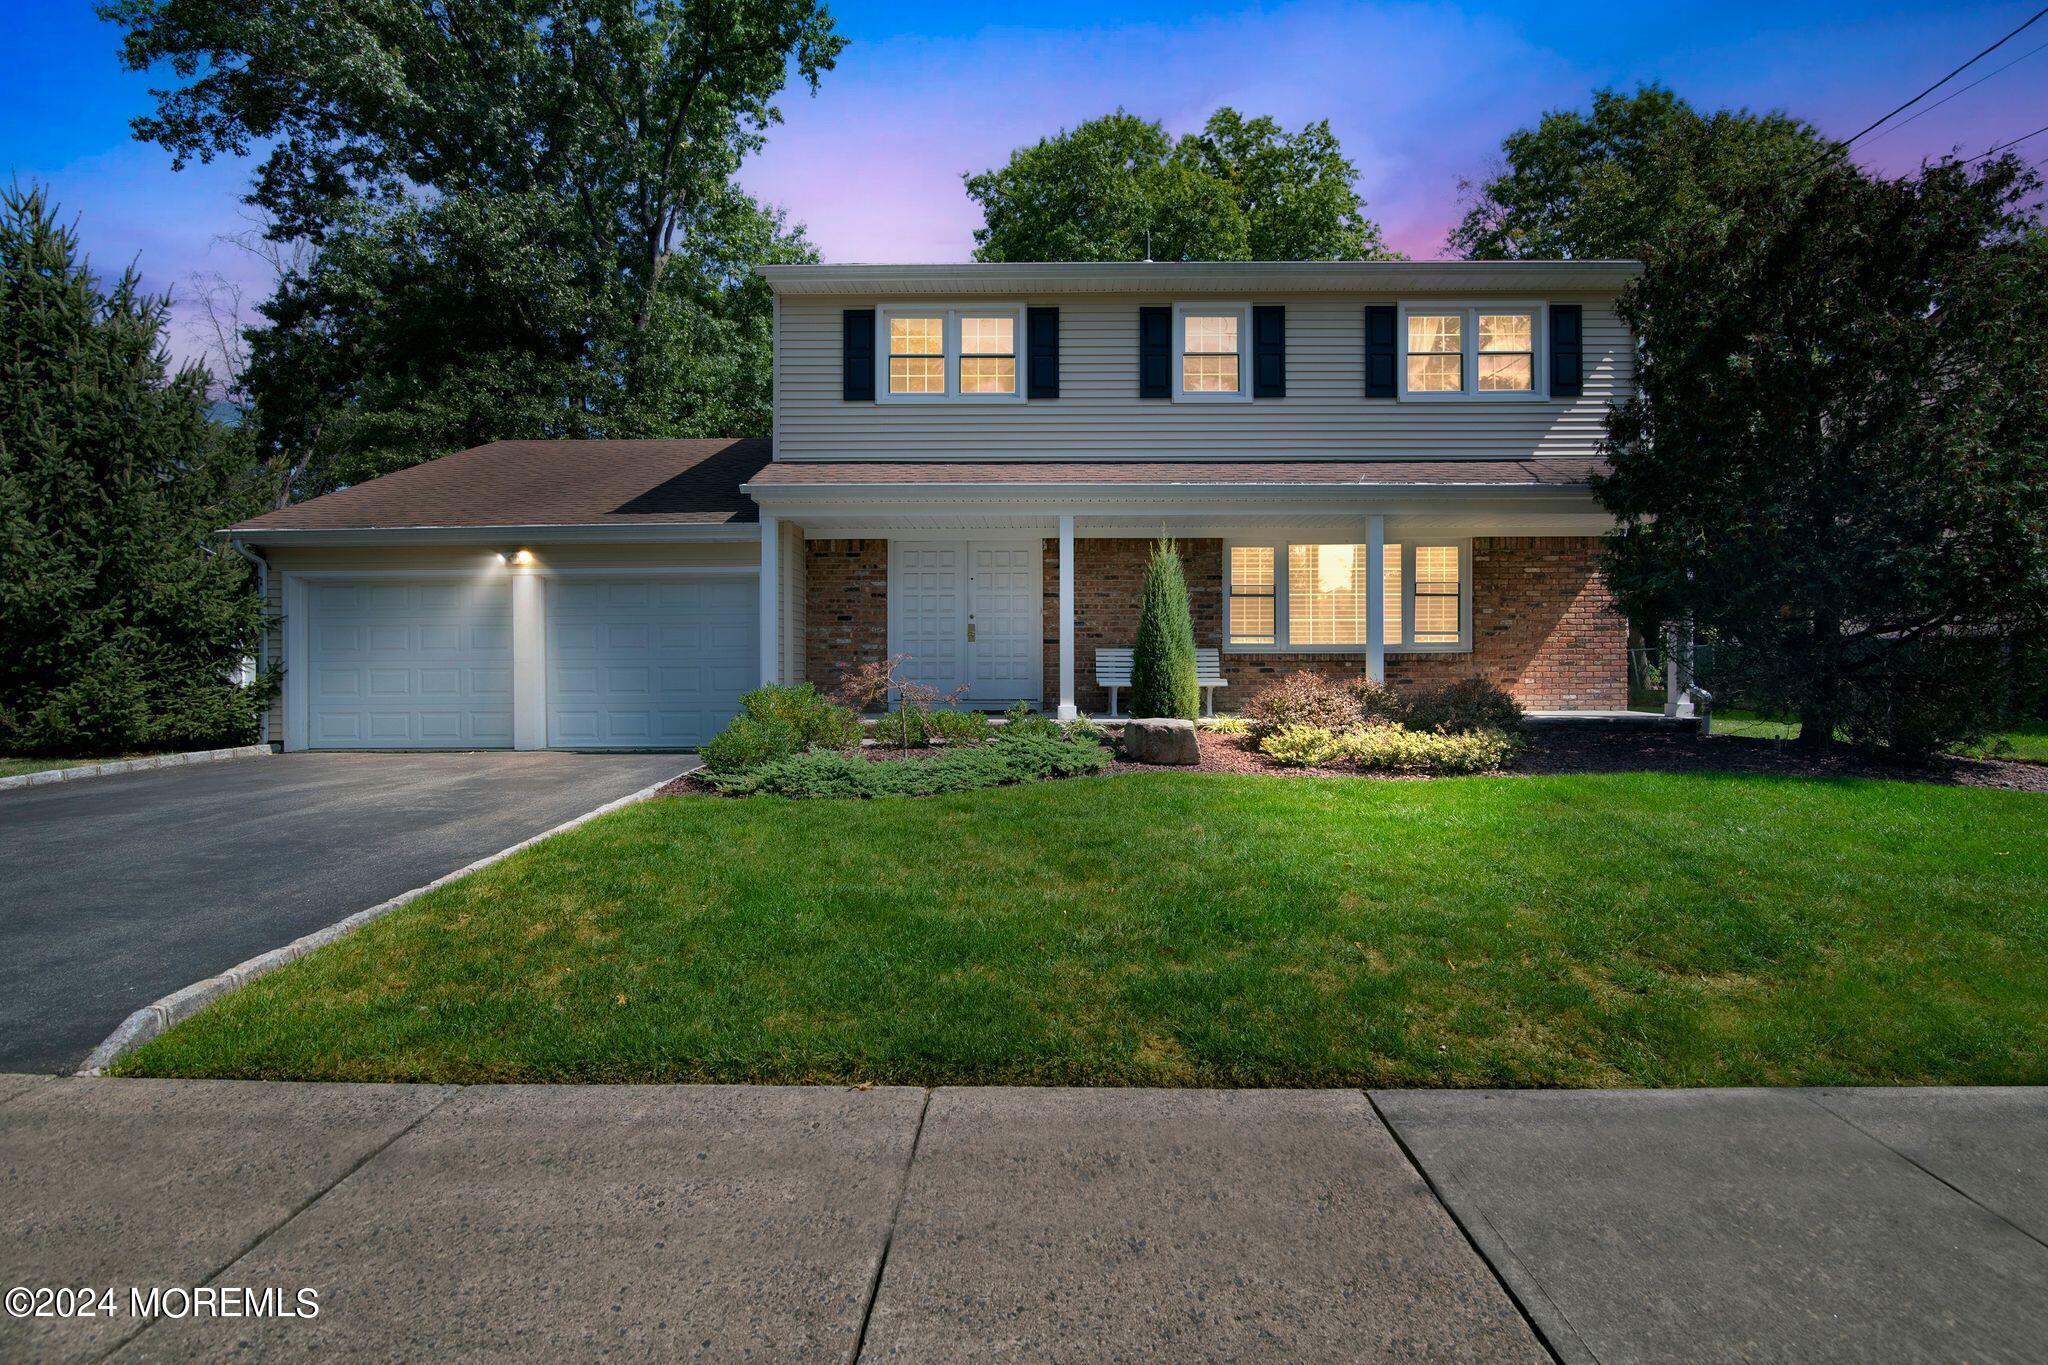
x=1421, y=95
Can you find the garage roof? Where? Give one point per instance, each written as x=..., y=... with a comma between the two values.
x=545, y=483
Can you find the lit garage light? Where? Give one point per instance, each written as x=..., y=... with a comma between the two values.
x=519, y=558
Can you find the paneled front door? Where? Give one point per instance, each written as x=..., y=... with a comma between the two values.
x=969, y=612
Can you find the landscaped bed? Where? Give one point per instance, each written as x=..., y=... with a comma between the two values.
x=1184, y=929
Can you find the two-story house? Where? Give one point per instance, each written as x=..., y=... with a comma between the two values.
x=1375, y=469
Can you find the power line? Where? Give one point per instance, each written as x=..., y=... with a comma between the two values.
x=2004, y=145
x=1844, y=145
x=1964, y=91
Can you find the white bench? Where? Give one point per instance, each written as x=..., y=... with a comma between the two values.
x=1113, y=671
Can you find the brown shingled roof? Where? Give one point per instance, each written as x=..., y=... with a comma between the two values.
x=546, y=483
x=1552, y=471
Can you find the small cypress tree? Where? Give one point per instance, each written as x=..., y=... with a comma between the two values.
x=1163, y=677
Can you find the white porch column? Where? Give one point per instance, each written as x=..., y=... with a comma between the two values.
x=1068, y=711
x=1376, y=598
x=771, y=599
x=529, y=660
x=1678, y=671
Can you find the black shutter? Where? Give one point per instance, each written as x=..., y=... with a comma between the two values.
x=1567, y=350
x=1269, y=352
x=857, y=355
x=1380, y=350
x=1042, y=353
x=1155, y=353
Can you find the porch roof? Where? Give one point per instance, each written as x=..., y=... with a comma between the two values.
x=815, y=475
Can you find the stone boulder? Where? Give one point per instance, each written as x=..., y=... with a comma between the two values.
x=1161, y=741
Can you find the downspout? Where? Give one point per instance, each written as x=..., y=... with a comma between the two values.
x=262, y=640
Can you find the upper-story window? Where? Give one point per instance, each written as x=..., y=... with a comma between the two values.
x=950, y=352
x=1451, y=352
x=1209, y=351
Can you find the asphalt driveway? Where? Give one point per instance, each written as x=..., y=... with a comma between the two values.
x=119, y=890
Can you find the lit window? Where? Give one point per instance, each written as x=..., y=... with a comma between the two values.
x=1210, y=358
x=1313, y=597
x=1390, y=568
x=1436, y=595
x=1251, y=595
x=1507, y=352
x=917, y=355
x=1436, y=352
x=1463, y=352
x=1326, y=594
x=988, y=355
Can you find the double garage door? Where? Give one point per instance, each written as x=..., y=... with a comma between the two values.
x=647, y=662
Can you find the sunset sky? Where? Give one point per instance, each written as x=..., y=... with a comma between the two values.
x=1420, y=94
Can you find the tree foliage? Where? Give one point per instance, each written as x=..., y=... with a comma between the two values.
x=120, y=625
x=523, y=213
x=1616, y=182
x=1836, y=460
x=1240, y=189
x=1164, y=681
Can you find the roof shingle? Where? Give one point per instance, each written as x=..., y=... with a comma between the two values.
x=546, y=483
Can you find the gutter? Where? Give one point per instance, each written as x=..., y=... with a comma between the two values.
x=263, y=639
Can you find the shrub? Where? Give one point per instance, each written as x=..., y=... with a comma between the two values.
x=1301, y=746
x=1007, y=760
x=1396, y=748
x=1377, y=702
x=1163, y=677
x=870, y=686
x=1302, y=698
x=1469, y=704
x=776, y=721
x=746, y=743
x=958, y=727
x=1021, y=720
x=817, y=722
x=1223, y=725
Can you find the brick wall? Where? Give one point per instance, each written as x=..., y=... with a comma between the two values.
x=1542, y=627
x=846, y=607
x=1542, y=623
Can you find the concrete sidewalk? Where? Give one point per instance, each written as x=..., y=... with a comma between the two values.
x=720, y=1222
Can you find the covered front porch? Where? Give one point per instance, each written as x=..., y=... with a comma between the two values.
x=1011, y=597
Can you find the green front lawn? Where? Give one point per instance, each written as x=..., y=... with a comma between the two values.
x=2029, y=742
x=1165, y=929
x=10, y=766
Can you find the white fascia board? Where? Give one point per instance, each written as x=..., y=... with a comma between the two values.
x=653, y=534
x=1250, y=277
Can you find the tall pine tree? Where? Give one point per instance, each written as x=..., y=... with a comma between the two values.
x=121, y=623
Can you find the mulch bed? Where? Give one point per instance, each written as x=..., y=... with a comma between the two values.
x=1602, y=749
x=1560, y=749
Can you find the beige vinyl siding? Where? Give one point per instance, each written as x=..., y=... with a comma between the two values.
x=441, y=559
x=1098, y=413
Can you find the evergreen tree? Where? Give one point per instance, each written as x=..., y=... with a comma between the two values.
x=121, y=625
x=1163, y=677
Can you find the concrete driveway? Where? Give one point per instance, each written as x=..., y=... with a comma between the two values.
x=118, y=890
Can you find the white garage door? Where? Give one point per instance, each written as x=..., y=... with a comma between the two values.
x=647, y=663
x=409, y=664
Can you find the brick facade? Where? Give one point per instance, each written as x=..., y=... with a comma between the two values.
x=1543, y=626
x=846, y=607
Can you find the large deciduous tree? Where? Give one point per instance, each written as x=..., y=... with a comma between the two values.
x=1615, y=182
x=522, y=212
x=121, y=625
x=1117, y=186
x=1836, y=459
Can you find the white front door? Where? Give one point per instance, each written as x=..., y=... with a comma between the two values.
x=967, y=614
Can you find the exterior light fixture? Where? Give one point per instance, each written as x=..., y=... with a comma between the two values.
x=517, y=558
